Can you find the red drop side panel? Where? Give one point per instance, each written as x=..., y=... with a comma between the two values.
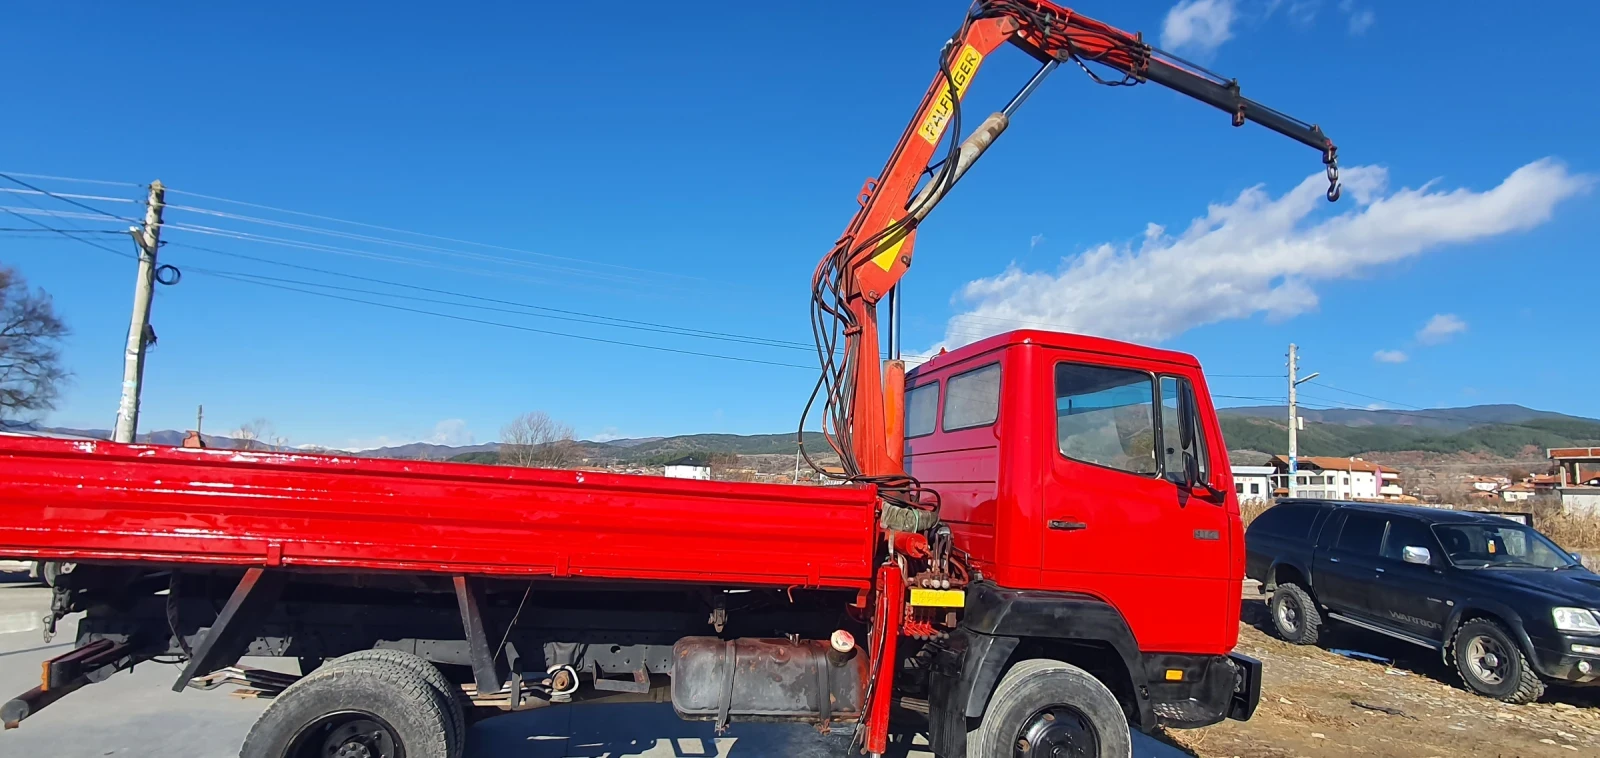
x=91, y=500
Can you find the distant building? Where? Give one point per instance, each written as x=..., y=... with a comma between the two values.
x=1579, y=478
x=1516, y=493
x=1253, y=483
x=689, y=467
x=1336, y=478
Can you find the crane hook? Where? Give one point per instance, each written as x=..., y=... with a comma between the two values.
x=1335, y=189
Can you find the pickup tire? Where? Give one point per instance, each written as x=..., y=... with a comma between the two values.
x=1045, y=707
x=370, y=708
x=1294, y=614
x=449, y=694
x=1491, y=664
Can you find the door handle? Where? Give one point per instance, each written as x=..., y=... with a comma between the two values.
x=1380, y=570
x=1068, y=526
x=1333, y=560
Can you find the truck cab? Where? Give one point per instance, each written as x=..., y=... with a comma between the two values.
x=1077, y=473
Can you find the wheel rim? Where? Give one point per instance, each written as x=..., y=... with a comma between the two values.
x=1059, y=731
x=346, y=734
x=1288, y=616
x=1487, y=661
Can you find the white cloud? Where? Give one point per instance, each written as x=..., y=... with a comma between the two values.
x=1256, y=254
x=451, y=431
x=1440, y=328
x=1362, y=20
x=1199, y=26
x=1303, y=12
x=1390, y=356
x=1035, y=241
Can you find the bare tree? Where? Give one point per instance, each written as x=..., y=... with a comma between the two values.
x=30, y=356
x=259, y=434
x=535, y=440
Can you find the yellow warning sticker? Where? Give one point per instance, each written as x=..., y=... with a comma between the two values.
x=962, y=70
x=938, y=598
x=885, y=259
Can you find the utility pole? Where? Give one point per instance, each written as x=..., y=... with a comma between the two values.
x=199, y=418
x=1294, y=415
x=149, y=239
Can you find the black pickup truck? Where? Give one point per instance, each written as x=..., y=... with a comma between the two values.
x=1502, y=603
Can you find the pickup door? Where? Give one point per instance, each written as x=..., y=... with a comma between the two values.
x=1346, y=568
x=1412, y=598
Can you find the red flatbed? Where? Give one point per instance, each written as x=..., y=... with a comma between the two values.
x=85, y=500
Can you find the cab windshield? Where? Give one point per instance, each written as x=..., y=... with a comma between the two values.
x=1491, y=545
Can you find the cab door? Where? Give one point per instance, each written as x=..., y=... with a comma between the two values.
x=1122, y=521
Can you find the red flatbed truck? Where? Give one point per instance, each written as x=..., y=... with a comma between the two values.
x=1036, y=543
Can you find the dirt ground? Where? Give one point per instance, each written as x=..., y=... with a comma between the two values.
x=1309, y=694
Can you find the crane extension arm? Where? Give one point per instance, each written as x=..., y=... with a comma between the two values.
x=876, y=248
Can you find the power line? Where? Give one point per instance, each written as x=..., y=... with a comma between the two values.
x=71, y=235
x=486, y=322
x=68, y=200
x=394, y=230
x=52, y=178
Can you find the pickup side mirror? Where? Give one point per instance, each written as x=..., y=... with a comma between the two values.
x=1417, y=555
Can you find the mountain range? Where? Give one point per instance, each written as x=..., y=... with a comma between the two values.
x=1506, y=430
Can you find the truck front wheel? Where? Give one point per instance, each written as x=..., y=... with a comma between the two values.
x=1045, y=708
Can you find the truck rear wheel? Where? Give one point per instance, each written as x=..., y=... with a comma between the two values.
x=367, y=709
x=1045, y=708
x=449, y=693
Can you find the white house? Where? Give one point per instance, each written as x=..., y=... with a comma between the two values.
x=1253, y=483
x=689, y=467
x=1337, y=478
x=1516, y=493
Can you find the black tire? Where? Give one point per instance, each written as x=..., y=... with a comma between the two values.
x=1056, y=705
x=1491, y=663
x=450, y=695
x=1294, y=614
x=389, y=708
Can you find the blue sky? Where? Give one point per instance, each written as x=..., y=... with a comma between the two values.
x=687, y=168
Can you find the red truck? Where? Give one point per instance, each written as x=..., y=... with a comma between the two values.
x=1036, y=544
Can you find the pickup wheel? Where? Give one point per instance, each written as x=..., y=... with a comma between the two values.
x=1048, y=709
x=368, y=709
x=449, y=694
x=1491, y=664
x=1294, y=614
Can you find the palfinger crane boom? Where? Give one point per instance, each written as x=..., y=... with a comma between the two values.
x=862, y=406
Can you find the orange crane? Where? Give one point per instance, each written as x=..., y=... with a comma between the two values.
x=862, y=407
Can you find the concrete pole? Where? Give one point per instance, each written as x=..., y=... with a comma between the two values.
x=149, y=239
x=1294, y=419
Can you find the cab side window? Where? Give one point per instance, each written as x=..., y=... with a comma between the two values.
x=921, y=405
x=1106, y=416
x=973, y=398
x=1181, y=432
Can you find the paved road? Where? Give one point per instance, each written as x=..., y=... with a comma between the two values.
x=137, y=714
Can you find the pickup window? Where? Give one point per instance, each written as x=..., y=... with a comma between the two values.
x=1362, y=533
x=1106, y=416
x=1290, y=520
x=1404, y=533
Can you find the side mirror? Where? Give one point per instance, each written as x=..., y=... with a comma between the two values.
x=1417, y=555
x=1192, y=477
